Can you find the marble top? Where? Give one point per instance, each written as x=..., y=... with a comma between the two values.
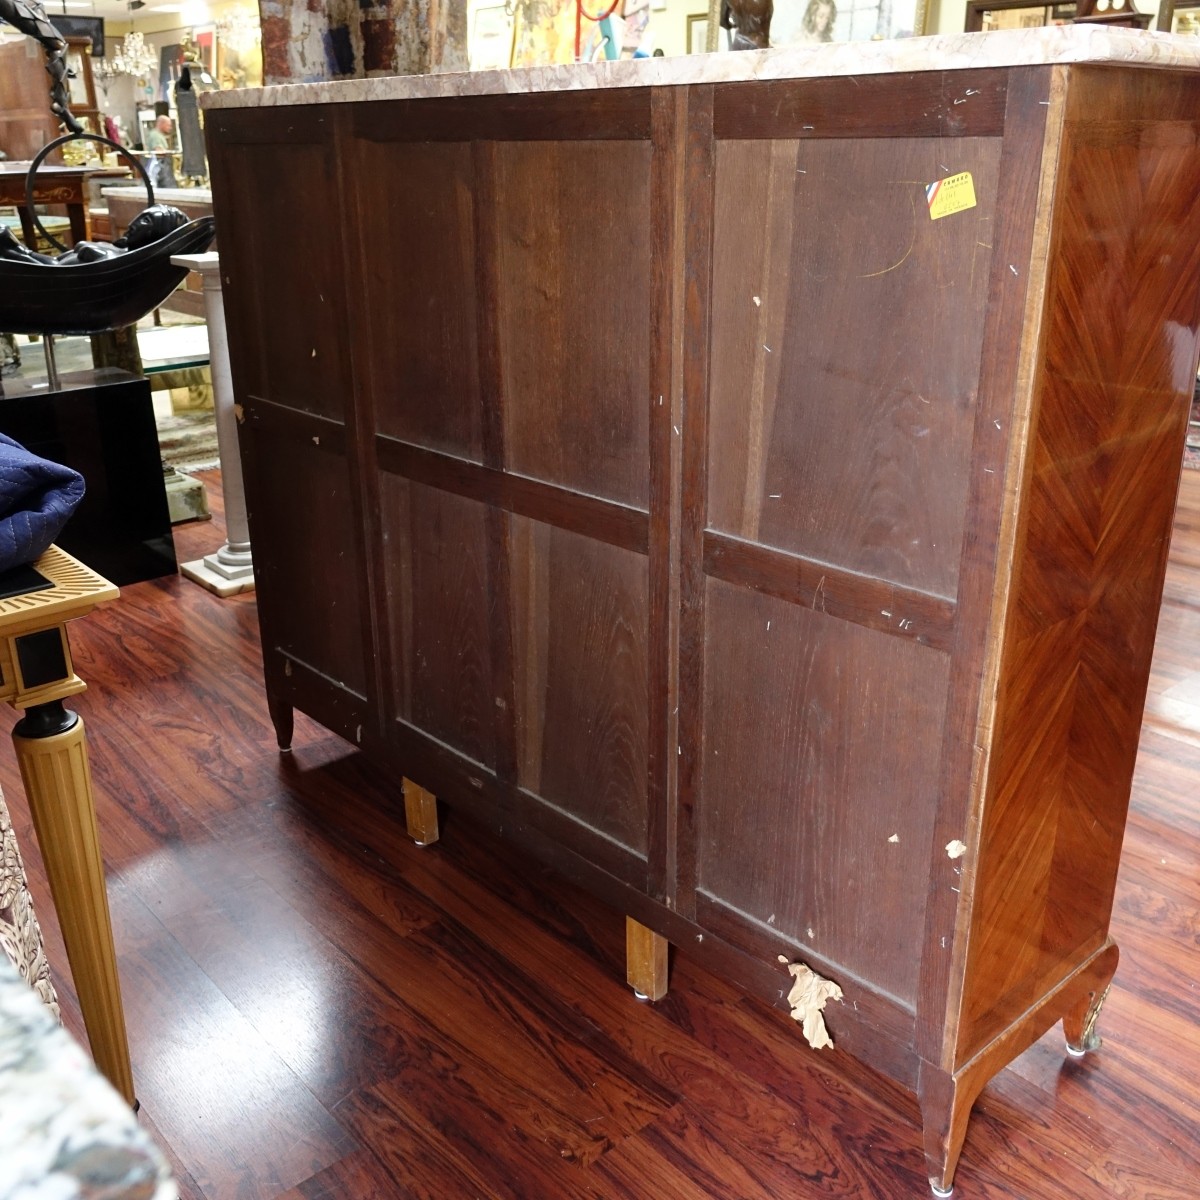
x=65, y=1134
x=961, y=51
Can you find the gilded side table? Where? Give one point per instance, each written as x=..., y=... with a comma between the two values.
x=36, y=675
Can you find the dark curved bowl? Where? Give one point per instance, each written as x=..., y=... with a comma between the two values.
x=95, y=297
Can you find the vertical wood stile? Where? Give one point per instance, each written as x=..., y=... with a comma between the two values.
x=491, y=393
x=697, y=302
x=668, y=108
x=362, y=422
x=1016, y=289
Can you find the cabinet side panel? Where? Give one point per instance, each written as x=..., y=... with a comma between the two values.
x=1118, y=372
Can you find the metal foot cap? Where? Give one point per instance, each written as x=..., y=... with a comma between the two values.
x=941, y=1194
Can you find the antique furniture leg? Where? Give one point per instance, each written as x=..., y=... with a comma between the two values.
x=36, y=675
x=946, y=1102
x=1079, y=1024
x=420, y=811
x=645, y=961
x=52, y=752
x=946, y=1098
x=283, y=717
x=51, y=362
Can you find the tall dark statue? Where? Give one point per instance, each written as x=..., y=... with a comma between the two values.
x=749, y=23
x=30, y=18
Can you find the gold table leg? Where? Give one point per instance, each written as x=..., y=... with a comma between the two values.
x=52, y=751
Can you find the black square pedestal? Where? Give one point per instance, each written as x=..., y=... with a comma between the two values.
x=101, y=423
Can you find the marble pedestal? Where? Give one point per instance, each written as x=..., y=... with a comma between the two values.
x=228, y=570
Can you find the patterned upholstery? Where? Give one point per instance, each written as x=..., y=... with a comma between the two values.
x=20, y=934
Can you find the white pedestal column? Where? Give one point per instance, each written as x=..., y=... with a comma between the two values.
x=229, y=570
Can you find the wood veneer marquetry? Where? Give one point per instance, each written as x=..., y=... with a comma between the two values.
x=768, y=537
x=1098, y=513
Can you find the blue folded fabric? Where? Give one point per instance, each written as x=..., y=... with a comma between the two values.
x=36, y=498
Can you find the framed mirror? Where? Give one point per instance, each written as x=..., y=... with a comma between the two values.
x=985, y=15
x=1180, y=16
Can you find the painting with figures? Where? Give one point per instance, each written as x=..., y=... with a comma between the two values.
x=814, y=21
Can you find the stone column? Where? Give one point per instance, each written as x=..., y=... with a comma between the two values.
x=229, y=570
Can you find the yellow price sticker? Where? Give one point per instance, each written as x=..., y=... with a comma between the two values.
x=953, y=194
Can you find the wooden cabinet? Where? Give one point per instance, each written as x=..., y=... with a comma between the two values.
x=26, y=123
x=646, y=471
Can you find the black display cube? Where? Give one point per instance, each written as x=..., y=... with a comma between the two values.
x=101, y=423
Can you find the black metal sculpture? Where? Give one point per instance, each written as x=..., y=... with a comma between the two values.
x=30, y=18
x=105, y=293
x=96, y=286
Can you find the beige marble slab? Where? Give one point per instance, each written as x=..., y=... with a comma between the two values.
x=963, y=51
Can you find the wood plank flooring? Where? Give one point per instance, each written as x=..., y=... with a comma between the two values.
x=319, y=1010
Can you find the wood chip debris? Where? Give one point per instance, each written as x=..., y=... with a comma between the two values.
x=807, y=998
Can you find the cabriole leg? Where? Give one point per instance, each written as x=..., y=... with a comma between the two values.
x=420, y=811
x=1080, y=1023
x=645, y=961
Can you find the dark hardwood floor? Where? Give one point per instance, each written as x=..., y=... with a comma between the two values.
x=318, y=1009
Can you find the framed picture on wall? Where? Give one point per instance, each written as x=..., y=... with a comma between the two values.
x=697, y=34
x=204, y=38
x=91, y=28
x=490, y=46
x=800, y=22
x=1180, y=17
x=80, y=88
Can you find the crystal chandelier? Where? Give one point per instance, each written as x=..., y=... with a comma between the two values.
x=133, y=57
x=239, y=29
